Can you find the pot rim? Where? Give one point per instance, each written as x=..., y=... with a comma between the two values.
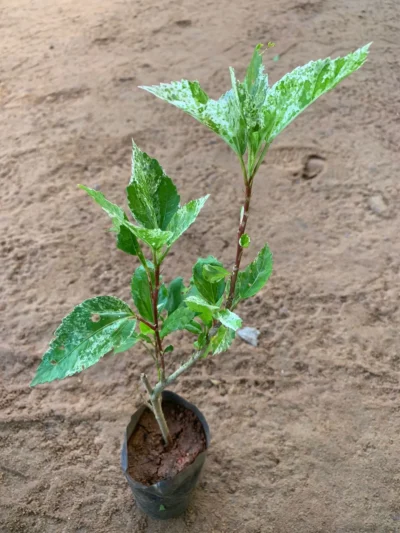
x=163, y=484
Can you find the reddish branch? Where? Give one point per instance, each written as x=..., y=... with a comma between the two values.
x=239, y=248
x=140, y=319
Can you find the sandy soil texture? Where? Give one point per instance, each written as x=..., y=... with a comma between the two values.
x=306, y=426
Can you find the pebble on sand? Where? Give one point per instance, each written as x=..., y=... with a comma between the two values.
x=249, y=335
x=377, y=204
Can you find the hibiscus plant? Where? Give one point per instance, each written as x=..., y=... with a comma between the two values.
x=248, y=118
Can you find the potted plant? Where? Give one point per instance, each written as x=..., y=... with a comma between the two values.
x=166, y=440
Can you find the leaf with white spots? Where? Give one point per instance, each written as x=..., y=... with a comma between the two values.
x=298, y=89
x=250, y=115
x=221, y=116
x=93, y=329
x=115, y=212
x=152, y=196
x=228, y=319
x=203, y=309
x=236, y=116
x=222, y=340
x=184, y=218
x=155, y=238
x=254, y=276
x=126, y=239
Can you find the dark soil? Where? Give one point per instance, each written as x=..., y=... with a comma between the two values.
x=149, y=460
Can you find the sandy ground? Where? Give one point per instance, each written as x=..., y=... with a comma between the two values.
x=305, y=426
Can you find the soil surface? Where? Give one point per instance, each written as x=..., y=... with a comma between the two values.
x=149, y=460
x=305, y=427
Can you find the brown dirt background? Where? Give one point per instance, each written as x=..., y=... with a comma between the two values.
x=305, y=426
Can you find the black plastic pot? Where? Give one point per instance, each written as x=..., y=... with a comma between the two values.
x=168, y=498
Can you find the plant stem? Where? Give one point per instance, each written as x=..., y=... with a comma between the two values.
x=162, y=423
x=158, y=343
x=190, y=362
x=156, y=408
x=170, y=379
x=140, y=319
x=239, y=248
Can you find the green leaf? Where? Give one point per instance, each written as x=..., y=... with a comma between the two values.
x=202, y=308
x=169, y=348
x=255, y=72
x=161, y=508
x=155, y=238
x=194, y=327
x=126, y=337
x=255, y=275
x=228, y=319
x=211, y=291
x=127, y=242
x=179, y=319
x=214, y=273
x=141, y=293
x=115, y=212
x=121, y=224
x=236, y=116
x=144, y=328
x=244, y=241
x=207, y=312
x=184, y=218
x=92, y=329
x=175, y=295
x=201, y=342
x=152, y=196
x=251, y=114
x=301, y=87
x=221, y=116
x=162, y=298
x=222, y=340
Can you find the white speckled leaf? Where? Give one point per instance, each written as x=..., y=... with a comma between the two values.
x=155, y=238
x=252, y=114
x=115, y=212
x=301, y=87
x=222, y=340
x=221, y=115
x=94, y=328
x=255, y=275
x=256, y=81
x=236, y=116
x=184, y=218
x=202, y=308
x=119, y=219
x=228, y=319
x=152, y=196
